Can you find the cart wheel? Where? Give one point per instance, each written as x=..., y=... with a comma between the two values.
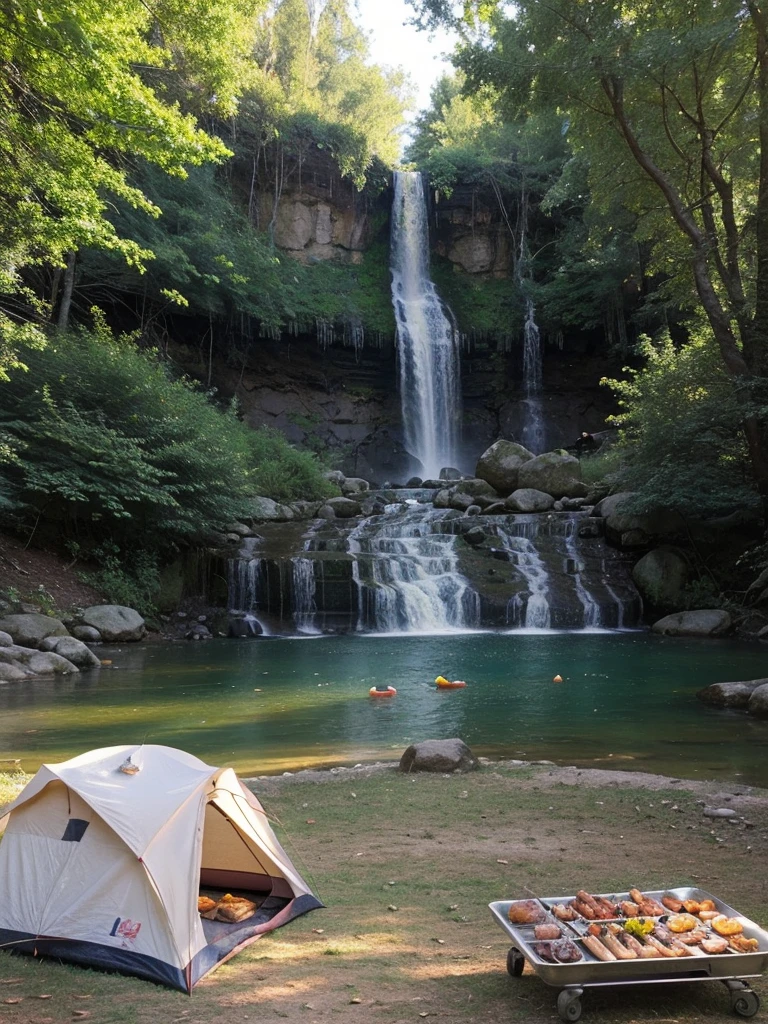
x=569, y=1005
x=745, y=1003
x=515, y=962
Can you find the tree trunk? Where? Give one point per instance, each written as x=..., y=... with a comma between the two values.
x=66, y=298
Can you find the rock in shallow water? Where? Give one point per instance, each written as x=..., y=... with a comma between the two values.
x=115, y=622
x=701, y=622
x=730, y=695
x=28, y=630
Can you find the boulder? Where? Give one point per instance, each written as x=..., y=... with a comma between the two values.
x=335, y=477
x=461, y=501
x=115, y=622
x=28, y=630
x=730, y=695
x=572, y=504
x=758, y=702
x=326, y=512
x=555, y=474
x=442, y=499
x=475, y=487
x=415, y=481
x=75, y=651
x=239, y=528
x=87, y=634
x=661, y=577
x=475, y=536
x=474, y=510
x=500, y=464
x=5, y=639
x=633, y=529
x=12, y=673
x=264, y=509
x=439, y=756
x=354, y=485
x=526, y=499
x=449, y=473
x=344, y=508
x=701, y=622
x=46, y=663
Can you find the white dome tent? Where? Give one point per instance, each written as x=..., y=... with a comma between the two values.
x=104, y=856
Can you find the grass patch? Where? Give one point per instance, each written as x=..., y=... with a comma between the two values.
x=12, y=781
x=406, y=880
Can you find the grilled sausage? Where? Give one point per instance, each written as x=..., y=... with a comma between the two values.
x=597, y=949
x=620, y=951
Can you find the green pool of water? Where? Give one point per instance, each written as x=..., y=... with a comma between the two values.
x=628, y=701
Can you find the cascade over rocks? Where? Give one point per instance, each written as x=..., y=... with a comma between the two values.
x=439, y=756
x=661, y=577
x=555, y=474
x=30, y=628
x=701, y=622
x=500, y=464
x=115, y=622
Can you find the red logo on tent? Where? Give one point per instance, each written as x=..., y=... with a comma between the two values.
x=126, y=929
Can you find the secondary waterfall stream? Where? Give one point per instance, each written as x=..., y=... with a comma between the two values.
x=427, y=345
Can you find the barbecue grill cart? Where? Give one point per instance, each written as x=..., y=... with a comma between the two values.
x=735, y=970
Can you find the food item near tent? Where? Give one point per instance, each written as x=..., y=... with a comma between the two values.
x=564, y=913
x=714, y=944
x=205, y=904
x=649, y=907
x=234, y=908
x=629, y=909
x=706, y=906
x=708, y=915
x=726, y=925
x=639, y=926
x=741, y=944
x=596, y=948
x=526, y=912
x=565, y=951
x=695, y=937
x=672, y=903
x=548, y=930
x=681, y=923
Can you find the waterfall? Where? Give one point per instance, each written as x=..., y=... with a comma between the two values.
x=428, y=350
x=406, y=572
x=304, y=586
x=533, y=429
x=245, y=585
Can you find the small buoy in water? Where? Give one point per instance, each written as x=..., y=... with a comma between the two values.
x=557, y=679
x=382, y=691
x=106, y=661
x=445, y=684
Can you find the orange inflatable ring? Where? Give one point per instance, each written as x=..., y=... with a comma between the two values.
x=445, y=684
x=389, y=692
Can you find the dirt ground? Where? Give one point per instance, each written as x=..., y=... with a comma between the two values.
x=406, y=865
x=28, y=570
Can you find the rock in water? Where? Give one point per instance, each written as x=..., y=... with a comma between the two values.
x=701, y=622
x=730, y=695
x=439, y=756
x=500, y=464
x=29, y=629
x=115, y=622
x=526, y=499
x=75, y=651
x=758, y=702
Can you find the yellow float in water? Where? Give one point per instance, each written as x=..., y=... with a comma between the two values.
x=445, y=684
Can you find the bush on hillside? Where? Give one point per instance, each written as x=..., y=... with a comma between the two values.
x=100, y=441
x=682, y=440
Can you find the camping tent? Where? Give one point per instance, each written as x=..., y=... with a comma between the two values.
x=104, y=856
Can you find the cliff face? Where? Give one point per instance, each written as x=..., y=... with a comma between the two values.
x=339, y=395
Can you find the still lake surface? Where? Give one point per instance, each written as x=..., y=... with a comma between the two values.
x=627, y=701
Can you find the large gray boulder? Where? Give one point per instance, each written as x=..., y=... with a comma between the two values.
x=87, y=634
x=354, y=485
x=461, y=501
x=661, y=576
x=500, y=465
x=527, y=499
x=553, y=473
x=264, y=509
x=36, y=663
x=758, y=702
x=439, y=756
x=11, y=672
x=634, y=529
x=115, y=622
x=730, y=695
x=701, y=622
x=475, y=487
x=344, y=508
x=30, y=628
x=75, y=651
x=6, y=640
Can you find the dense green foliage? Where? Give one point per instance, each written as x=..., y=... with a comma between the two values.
x=567, y=258
x=100, y=440
x=681, y=439
x=668, y=106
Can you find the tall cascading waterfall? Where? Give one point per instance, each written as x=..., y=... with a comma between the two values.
x=533, y=434
x=428, y=350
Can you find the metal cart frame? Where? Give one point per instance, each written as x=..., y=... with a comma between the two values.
x=734, y=970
